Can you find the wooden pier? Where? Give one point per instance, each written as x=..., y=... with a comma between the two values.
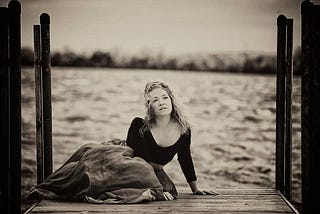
x=230, y=200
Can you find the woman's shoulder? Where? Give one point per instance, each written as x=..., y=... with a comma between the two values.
x=137, y=122
x=138, y=125
x=186, y=137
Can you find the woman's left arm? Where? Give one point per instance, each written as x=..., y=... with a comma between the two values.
x=186, y=163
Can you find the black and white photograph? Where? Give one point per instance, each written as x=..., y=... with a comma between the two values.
x=160, y=106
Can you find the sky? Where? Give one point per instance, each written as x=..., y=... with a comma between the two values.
x=171, y=27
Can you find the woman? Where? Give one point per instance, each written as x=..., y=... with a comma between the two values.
x=163, y=133
x=112, y=172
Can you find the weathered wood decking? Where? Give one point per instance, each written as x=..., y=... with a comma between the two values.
x=229, y=201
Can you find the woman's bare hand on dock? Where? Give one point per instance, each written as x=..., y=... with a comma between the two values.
x=168, y=196
x=205, y=192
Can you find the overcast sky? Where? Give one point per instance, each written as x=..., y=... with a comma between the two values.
x=170, y=26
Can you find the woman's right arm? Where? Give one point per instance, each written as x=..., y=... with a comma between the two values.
x=134, y=140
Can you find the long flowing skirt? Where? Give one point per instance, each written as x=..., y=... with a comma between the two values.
x=104, y=173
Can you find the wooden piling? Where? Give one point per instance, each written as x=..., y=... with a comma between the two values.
x=316, y=50
x=4, y=111
x=15, y=105
x=315, y=104
x=38, y=103
x=310, y=104
x=280, y=101
x=288, y=117
x=46, y=80
x=306, y=62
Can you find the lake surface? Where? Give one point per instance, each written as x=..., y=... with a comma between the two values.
x=232, y=115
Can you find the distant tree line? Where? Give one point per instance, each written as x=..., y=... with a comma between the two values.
x=239, y=63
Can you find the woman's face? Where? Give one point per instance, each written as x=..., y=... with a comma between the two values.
x=160, y=102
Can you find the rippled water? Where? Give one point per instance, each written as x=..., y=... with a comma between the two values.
x=233, y=117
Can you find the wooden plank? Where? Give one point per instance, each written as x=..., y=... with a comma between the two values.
x=171, y=212
x=234, y=191
x=175, y=203
x=295, y=210
x=229, y=201
x=146, y=209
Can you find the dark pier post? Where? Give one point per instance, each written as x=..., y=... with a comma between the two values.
x=38, y=101
x=306, y=28
x=310, y=105
x=15, y=105
x=4, y=110
x=288, y=104
x=315, y=103
x=46, y=80
x=315, y=97
x=306, y=61
x=280, y=101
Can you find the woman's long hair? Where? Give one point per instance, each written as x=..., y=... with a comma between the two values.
x=177, y=107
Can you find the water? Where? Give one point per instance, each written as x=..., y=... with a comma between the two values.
x=233, y=118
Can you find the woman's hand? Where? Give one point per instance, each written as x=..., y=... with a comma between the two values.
x=205, y=192
x=168, y=196
x=197, y=191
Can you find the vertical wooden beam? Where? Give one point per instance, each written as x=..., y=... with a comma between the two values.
x=39, y=110
x=280, y=101
x=288, y=135
x=15, y=105
x=316, y=47
x=306, y=62
x=315, y=107
x=46, y=80
x=4, y=111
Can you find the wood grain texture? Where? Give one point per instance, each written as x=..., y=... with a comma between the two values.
x=229, y=201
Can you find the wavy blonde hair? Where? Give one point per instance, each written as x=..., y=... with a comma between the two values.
x=178, y=108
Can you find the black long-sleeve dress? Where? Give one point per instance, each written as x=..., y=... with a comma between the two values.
x=140, y=139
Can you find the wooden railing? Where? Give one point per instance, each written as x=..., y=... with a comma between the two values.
x=310, y=106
